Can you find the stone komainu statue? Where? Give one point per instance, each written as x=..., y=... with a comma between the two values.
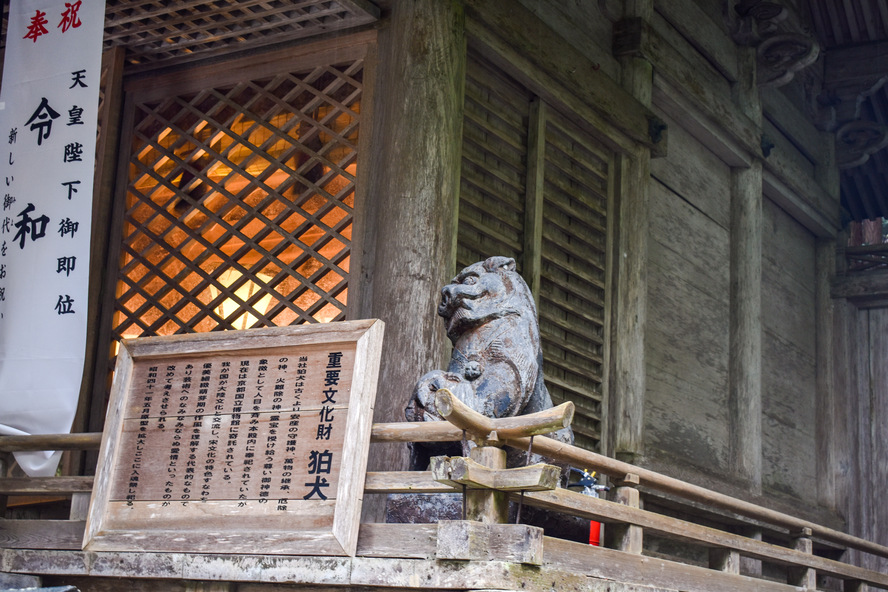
x=497, y=364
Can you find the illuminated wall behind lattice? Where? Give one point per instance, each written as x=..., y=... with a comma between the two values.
x=239, y=206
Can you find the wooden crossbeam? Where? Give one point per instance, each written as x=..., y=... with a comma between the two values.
x=458, y=471
x=492, y=429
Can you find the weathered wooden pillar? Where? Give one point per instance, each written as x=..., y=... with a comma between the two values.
x=412, y=169
x=745, y=386
x=828, y=416
x=626, y=537
x=803, y=577
x=413, y=180
x=627, y=415
x=745, y=390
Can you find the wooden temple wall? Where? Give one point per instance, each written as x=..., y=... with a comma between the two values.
x=727, y=363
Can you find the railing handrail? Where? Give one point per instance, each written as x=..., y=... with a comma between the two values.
x=559, y=451
x=445, y=432
x=876, y=248
x=80, y=441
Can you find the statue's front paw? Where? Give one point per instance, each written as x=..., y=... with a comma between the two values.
x=422, y=403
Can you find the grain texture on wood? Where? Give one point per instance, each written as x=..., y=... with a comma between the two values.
x=745, y=386
x=491, y=507
x=88, y=441
x=458, y=471
x=599, y=561
x=44, y=485
x=630, y=323
x=469, y=540
x=413, y=182
x=829, y=431
x=41, y=534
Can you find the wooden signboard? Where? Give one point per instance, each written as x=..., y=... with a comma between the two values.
x=238, y=442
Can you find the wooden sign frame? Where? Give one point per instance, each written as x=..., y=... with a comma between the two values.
x=185, y=469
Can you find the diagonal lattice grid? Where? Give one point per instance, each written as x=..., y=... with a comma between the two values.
x=240, y=205
x=158, y=31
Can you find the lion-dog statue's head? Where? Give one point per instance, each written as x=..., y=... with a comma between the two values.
x=483, y=292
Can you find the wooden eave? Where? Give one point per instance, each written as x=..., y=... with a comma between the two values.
x=854, y=40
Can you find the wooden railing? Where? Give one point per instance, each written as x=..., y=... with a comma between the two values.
x=867, y=257
x=629, y=523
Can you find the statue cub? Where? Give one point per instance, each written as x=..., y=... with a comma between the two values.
x=496, y=364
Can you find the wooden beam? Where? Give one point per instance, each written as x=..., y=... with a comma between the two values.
x=692, y=85
x=403, y=482
x=804, y=577
x=628, y=378
x=468, y=540
x=44, y=485
x=708, y=37
x=801, y=197
x=652, y=571
x=855, y=64
x=489, y=506
x=86, y=441
x=861, y=287
x=95, y=375
x=41, y=534
x=457, y=471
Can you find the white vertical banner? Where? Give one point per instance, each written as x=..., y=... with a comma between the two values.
x=48, y=121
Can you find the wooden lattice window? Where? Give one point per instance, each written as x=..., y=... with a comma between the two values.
x=536, y=186
x=155, y=30
x=240, y=203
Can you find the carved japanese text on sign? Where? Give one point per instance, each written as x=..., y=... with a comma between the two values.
x=253, y=438
x=252, y=429
x=49, y=108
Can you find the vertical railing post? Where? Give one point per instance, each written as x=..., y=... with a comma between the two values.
x=749, y=566
x=626, y=537
x=804, y=577
x=487, y=505
x=79, y=506
x=725, y=560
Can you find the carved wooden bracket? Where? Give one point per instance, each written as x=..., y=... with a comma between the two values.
x=850, y=77
x=857, y=140
x=780, y=54
x=756, y=19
